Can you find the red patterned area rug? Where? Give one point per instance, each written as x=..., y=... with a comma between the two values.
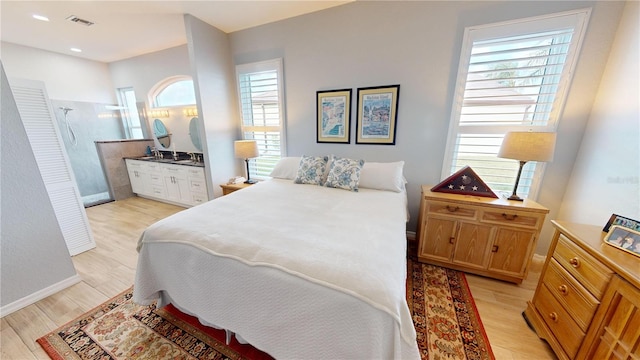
x=444, y=314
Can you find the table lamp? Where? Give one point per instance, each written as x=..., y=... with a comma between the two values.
x=246, y=149
x=527, y=146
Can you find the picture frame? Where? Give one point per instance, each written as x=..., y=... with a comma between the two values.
x=624, y=239
x=333, y=116
x=377, y=115
x=616, y=219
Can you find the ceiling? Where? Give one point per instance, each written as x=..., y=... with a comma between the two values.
x=123, y=29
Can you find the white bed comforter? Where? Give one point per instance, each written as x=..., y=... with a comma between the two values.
x=299, y=271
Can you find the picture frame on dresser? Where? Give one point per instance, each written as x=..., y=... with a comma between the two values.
x=333, y=116
x=624, y=239
x=616, y=219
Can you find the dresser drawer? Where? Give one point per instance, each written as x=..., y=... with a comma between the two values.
x=585, y=268
x=452, y=209
x=574, y=297
x=565, y=330
x=512, y=218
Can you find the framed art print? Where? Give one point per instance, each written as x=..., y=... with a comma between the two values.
x=377, y=115
x=333, y=116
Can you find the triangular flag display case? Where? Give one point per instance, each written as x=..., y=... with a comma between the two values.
x=464, y=182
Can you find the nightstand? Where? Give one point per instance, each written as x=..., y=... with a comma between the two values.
x=481, y=235
x=229, y=188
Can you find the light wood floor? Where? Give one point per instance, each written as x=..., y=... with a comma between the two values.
x=110, y=268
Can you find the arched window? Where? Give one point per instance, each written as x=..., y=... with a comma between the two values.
x=173, y=91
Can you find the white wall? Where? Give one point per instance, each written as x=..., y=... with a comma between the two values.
x=417, y=45
x=214, y=81
x=606, y=176
x=34, y=255
x=66, y=77
x=143, y=72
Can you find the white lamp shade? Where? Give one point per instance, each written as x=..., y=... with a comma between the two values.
x=246, y=149
x=528, y=146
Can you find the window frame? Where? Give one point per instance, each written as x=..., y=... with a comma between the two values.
x=159, y=87
x=506, y=29
x=131, y=120
x=246, y=130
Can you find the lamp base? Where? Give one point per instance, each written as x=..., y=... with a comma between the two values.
x=250, y=181
x=515, y=198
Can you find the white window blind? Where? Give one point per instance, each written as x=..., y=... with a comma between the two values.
x=513, y=76
x=262, y=111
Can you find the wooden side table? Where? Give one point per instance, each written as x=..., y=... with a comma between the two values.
x=480, y=235
x=229, y=188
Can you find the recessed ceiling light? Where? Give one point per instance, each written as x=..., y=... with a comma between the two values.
x=75, y=50
x=40, y=17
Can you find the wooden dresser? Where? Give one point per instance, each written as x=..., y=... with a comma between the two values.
x=587, y=302
x=481, y=235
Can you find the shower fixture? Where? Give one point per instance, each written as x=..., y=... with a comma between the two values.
x=70, y=133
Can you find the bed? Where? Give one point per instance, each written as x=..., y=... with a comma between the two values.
x=299, y=271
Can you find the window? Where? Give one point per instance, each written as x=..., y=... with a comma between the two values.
x=513, y=76
x=260, y=92
x=173, y=91
x=129, y=113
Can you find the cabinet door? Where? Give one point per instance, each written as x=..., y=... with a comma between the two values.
x=437, y=239
x=618, y=335
x=172, y=187
x=137, y=176
x=510, y=251
x=471, y=245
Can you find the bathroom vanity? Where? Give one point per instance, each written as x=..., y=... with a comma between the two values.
x=180, y=182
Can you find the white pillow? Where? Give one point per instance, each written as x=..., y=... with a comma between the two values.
x=286, y=168
x=382, y=176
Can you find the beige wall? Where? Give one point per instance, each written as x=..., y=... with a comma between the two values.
x=606, y=177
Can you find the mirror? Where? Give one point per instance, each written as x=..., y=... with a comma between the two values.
x=161, y=133
x=194, y=133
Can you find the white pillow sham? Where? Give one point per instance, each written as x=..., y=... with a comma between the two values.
x=373, y=175
x=286, y=168
x=382, y=176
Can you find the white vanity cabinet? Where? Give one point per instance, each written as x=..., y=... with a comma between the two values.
x=197, y=185
x=139, y=176
x=177, y=184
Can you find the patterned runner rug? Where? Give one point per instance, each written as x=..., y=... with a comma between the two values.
x=444, y=314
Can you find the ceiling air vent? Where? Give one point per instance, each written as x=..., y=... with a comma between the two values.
x=76, y=19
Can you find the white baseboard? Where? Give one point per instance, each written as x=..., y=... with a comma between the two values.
x=38, y=295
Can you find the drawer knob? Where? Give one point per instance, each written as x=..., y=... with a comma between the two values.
x=509, y=217
x=575, y=262
x=564, y=290
x=495, y=248
x=554, y=316
x=452, y=208
x=451, y=239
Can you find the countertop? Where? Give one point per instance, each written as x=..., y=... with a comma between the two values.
x=187, y=162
